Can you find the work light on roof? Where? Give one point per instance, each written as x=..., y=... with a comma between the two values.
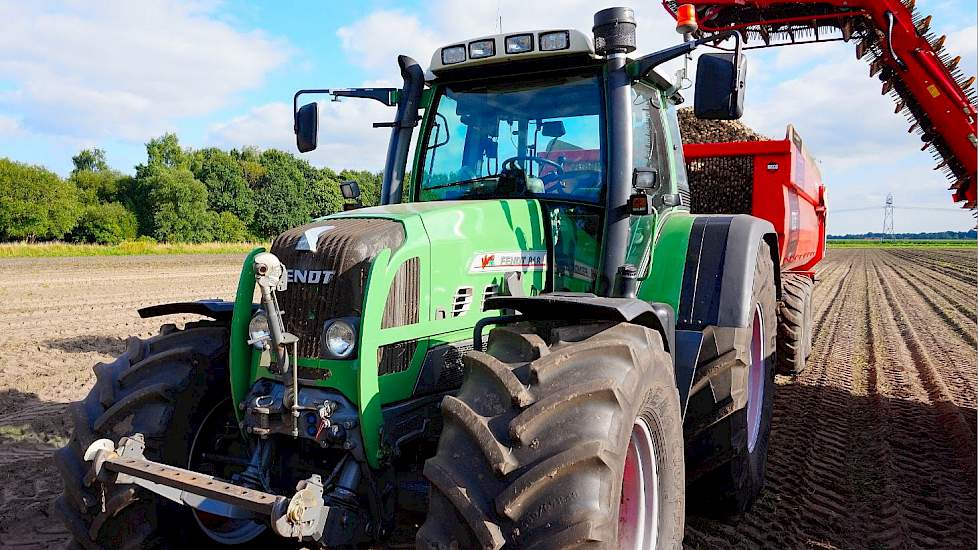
x=453, y=54
x=482, y=48
x=519, y=43
x=553, y=41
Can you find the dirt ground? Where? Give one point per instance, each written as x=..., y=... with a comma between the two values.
x=873, y=447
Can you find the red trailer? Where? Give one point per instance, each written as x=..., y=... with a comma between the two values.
x=777, y=181
x=785, y=188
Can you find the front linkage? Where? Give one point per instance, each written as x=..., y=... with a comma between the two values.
x=303, y=517
x=326, y=512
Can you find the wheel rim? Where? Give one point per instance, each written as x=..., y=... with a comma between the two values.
x=755, y=381
x=638, y=511
x=218, y=528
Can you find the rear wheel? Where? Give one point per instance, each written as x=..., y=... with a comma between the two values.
x=729, y=413
x=560, y=437
x=795, y=323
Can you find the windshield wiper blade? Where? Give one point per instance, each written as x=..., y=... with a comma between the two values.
x=463, y=182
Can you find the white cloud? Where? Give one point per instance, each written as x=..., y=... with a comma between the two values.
x=124, y=69
x=9, y=126
x=347, y=138
x=375, y=40
x=964, y=42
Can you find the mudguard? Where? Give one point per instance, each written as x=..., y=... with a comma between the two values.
x=715, y=297
x=219, y=310
x=585, y=306
x=719, y=270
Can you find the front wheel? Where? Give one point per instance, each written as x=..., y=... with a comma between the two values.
x=560, y=437
x=173, y=389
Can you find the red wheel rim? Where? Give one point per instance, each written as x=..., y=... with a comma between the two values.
x=755, y=379
x=638, y=510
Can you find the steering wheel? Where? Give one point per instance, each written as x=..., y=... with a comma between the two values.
x=510, y=164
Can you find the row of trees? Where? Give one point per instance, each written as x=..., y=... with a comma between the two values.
x=936, y=235
x=177, y=195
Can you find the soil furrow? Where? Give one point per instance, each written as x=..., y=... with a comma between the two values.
x=872, y=447
x=955, y=315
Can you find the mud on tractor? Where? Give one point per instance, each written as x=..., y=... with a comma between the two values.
x=532, y=340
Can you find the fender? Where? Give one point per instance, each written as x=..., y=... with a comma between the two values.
x=718, y=280
x=719, y=272
x=219, y=310
x=586, y=306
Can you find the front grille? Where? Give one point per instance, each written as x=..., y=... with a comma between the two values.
x=443, y=368
x=402, y=301
x=721, y=185
x=314, y=373
x=345, y=250
x=395, y=357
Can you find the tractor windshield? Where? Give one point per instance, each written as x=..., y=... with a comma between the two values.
x=527, y=139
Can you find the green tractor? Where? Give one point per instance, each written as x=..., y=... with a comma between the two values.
x=531, y=340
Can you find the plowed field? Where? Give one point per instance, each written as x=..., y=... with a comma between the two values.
x=872, y=447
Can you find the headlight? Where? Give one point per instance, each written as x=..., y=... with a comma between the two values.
x=552, y=41
x=519, y=43
x=482, y=48
x=452, y=55
x=339, y=339
x=258, y=331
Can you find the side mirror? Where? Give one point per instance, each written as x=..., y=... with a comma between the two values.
x=721, y=79
x=351, y=191
x=307, y=127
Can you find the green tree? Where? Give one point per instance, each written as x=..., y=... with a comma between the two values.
x=165, y=151
x=108, y=223
x=90, y=160
x=227, y=189
x=135, y=194
x=179, y=206
x=324, y=193
x=97, y=186
x=162, y=154
x=369, y=182
x=35, y=204
x=227, y=228
x=282, y=197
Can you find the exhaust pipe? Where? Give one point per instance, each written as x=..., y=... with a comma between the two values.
x=614, y=38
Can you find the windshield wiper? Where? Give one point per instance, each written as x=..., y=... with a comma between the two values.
x=463, y=182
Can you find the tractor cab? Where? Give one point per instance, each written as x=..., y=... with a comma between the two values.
x=519, y=133
x=548, y=116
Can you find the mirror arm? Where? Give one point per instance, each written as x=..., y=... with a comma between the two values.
x=643, y=65
x=387, y=96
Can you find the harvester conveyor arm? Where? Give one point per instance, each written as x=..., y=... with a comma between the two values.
x=923, y=78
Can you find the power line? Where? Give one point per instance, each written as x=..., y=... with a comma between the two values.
x=868, y=208
x=888, y=218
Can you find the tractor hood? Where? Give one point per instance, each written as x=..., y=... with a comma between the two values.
x=440, y=260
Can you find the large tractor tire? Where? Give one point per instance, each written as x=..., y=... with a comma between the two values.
x=558, y=438
x=728, y=419
x=795, y=324
x=173, y=389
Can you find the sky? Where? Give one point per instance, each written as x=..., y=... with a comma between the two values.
x=113, y=74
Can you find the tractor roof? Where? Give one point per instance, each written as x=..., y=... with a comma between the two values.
x=517, y=52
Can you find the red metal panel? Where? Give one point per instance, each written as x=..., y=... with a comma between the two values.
x=787, y=191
